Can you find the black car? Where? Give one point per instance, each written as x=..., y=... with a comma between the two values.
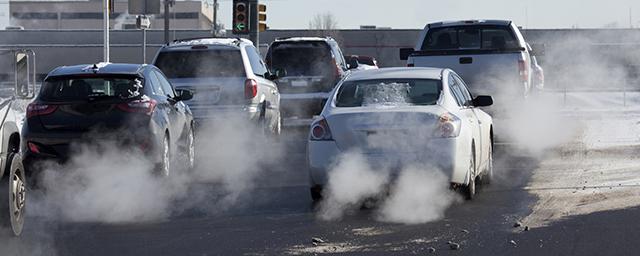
x=130, y=104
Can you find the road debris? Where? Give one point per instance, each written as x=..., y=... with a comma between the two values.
x=453, y=246
x=465, y=231
x=513, y=242
x=316, y=241
x=431, y=250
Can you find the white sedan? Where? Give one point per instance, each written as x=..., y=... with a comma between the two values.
x=401, y=117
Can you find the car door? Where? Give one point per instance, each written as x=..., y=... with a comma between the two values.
x=271, y=94
x=467, y=113
x=176, y=111
x=481, y=138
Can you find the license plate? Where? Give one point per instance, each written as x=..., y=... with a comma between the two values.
x=299, y=83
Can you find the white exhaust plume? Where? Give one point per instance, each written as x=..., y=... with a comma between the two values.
x=419, y=195
x=351, y=182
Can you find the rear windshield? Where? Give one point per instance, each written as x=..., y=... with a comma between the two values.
x=85, y=89
x=201, y=63
x=470, y=37
x=302, y=58
x=389, y=92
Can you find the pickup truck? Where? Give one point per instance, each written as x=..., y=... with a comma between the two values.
x=14, y=96
x=490, y=55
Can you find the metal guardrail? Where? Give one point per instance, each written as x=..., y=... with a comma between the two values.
x=565, y=91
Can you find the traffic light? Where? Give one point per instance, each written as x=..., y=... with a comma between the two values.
x=240, y=17
x=262, y=17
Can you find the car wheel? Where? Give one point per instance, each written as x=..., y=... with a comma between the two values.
x=488, y=173
x=191, y=149
x=165, y=160
x=13, y=191
x=316, y=193
x=469, y=191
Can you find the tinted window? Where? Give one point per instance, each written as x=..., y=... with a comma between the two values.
x=164, y=84
x=83, y=89
x=302, y=58
x=470, y=37
x=463, y=88
x=201, y=63
x=389, y=92
x=256, y=62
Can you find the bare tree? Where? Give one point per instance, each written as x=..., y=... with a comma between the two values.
x=325, y=24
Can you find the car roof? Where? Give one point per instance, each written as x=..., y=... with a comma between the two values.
x=186, y=44
x=98, y=68
x=299, y=39
x=391, y=73
x=469, y=23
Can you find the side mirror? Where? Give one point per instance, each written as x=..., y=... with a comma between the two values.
x=280, y=72
x=25, y=76
x=483, y=101
x=183, y=94
x=271, y=76
x=405, y=53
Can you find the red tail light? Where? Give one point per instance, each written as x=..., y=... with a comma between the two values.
x=33, y=147
x=320, y=130
x=250, y=89
x=523, y=70
x=145, y=106
x=35, y=109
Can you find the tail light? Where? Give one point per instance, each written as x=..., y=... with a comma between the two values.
x=448, y=126
x=33, y=147
x=145, y=106
x=320, y=130
x=35, y=109
x=410, y=65
x=523, y=69
x=250, y=88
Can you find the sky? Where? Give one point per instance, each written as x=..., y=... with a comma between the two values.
x=412, y=14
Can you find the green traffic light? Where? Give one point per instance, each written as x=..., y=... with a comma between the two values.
x=240, y=26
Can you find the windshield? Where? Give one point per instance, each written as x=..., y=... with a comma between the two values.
x=470, y=37
x=208, y=63
x=302, y=59
x=389, y=92
x=83, y=89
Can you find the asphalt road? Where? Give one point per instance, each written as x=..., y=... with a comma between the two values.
x=572, y=200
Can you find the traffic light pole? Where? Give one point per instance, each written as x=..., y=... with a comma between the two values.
x=254, y=27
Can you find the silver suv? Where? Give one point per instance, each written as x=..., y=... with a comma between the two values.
x=227, y=76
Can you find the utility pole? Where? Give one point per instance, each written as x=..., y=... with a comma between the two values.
x=215, y=18
x=166, y=21
x=253, y=23
x=105, y=24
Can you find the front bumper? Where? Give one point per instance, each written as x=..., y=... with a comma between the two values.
x=444, y=154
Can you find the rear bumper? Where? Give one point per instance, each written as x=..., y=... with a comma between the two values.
x=302, y=105
x=205, y=114
x=444, y=154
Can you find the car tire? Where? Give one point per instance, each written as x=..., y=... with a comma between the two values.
x=164, y=167
x=316, y=193
x=469, y=190
x=190, y=156
x=487, y=177
x=13, y=190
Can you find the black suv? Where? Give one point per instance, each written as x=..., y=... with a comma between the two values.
x=133, y=105
x=308, y=69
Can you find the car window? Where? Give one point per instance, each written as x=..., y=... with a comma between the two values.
x=257, y=65
x=154, y=83
x=463, y=88
x=88, y=88
x=337, y=54
x=455, y=91
x=164, y=84
x=301, y=58
x=201, y=63
x=389, y=92
x=470, y=37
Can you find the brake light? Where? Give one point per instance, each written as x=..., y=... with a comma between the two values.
x=33, y=147
x=320, y=130
x=522, y=69
x=250, y=88
x=35, y=109
x=448, y=126
x=145, y=106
